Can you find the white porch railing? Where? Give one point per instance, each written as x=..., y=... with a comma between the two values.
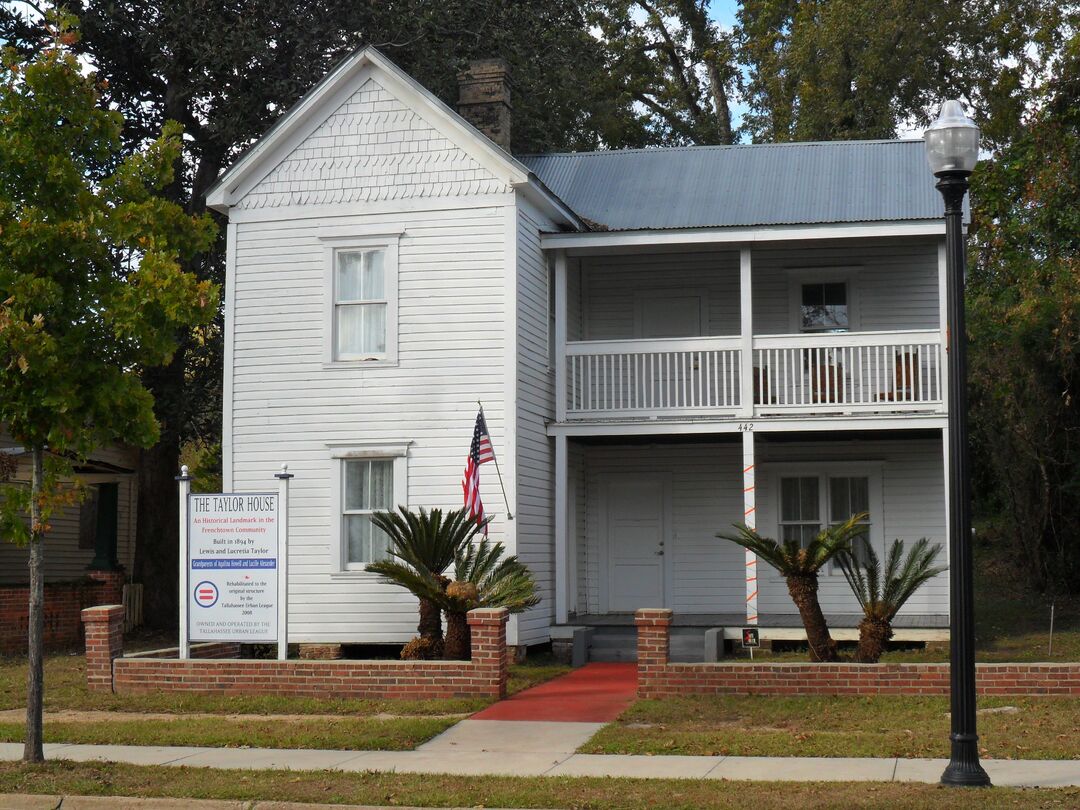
x=850, y=372
x=825, y=373
x=653, y=377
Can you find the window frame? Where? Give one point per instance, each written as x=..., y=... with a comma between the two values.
x=873, y=471
x=398, y=453
x=800, y=276
x=334, y=245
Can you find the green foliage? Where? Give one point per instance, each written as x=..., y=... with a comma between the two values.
x=1024, y=305
x=674, y=63
x=423, y=545
x=500, y=581
x=91, y=289
x=882, y=594
x=789, y=557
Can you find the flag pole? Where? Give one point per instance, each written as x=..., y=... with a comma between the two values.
x=495, y=458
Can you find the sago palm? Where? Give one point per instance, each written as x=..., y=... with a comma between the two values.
x=422, y=546
x=483, y=577
x=882, y=594
x=799, y=566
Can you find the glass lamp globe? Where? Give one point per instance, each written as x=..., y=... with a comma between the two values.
x=952, y=141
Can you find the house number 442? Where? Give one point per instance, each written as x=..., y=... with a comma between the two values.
x=746, y=427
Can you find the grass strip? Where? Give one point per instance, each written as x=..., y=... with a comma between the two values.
x=426, y=790
x=339, y=733
x=823, y=726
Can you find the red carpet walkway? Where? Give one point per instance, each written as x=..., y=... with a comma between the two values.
x=596, y=693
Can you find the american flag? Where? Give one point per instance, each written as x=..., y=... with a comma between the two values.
x=480, y=452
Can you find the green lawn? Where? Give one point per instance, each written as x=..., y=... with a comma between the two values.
x=425, y=790
x=885, y=726
x=265, y=720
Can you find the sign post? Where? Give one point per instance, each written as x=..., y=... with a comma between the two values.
x=185, y=491
x=283, y=478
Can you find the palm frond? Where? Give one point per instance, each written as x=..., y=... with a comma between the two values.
x=500, y=581
x=881, y=596
x=789, y=557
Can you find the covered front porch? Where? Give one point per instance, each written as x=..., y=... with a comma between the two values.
x=642, y=514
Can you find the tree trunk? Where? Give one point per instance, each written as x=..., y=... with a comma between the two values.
x=458, y=646
x=874, y=634
x=804, y=593
x=35, y=679
x=157, y=546
x=430, y=626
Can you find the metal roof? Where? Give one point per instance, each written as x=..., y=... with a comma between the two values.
x=766, y=184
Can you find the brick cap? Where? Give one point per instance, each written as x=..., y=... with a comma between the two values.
x=488, y=616
x=102, y=613
x=653, y=614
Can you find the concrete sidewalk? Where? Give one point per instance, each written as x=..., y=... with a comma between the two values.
x=509, y=748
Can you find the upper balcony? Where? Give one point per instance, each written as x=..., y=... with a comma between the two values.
x=833, y=331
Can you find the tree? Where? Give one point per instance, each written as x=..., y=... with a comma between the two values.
x=882, y=594
x=671, y=59
x=799, y=566
x=843, y=69
x=1024, y=304
x=91, y=291
x=483, y=578
x=422, y=546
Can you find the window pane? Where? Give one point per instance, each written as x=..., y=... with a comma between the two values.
x=369, y=485
x=361, y=329
x=824, y=306
x=364, y=541
x=789, y=499
x=809, y=502
x=374, y=286
x=847, y=497
x=349, y=276
x=799, y=499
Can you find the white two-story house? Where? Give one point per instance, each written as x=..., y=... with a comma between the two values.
x=666, y=342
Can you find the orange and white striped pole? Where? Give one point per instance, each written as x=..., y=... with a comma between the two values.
x=750, y=519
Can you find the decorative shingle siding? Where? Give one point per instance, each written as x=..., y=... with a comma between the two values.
x=372, y=148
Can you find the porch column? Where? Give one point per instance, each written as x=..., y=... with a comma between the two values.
x=750, y=519
x=746, y=332
x=560, y=337
x=562, y=557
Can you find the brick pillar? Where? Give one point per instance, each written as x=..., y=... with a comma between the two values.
x=111, y=586
x=104, y=641
x=653, y=632
x=488, y=627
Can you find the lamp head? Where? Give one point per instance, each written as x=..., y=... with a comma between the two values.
x=952, y=141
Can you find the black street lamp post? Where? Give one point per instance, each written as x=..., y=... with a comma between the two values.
x=952, y=149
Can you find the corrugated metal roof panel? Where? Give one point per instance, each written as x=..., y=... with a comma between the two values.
x=722, y=186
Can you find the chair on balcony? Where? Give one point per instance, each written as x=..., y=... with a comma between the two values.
x=826, y=381
x=906, y=364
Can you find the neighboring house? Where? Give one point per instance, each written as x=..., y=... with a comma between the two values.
x=87, y=549
x=643, y=327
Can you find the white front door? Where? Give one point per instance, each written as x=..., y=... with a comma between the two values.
x=636, y=513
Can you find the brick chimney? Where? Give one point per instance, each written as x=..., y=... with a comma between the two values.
x=484, y=98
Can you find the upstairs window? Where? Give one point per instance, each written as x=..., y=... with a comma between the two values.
x=360, y=305
x=824, y=307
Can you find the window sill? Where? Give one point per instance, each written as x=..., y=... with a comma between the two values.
x=353, y=574
x=359, y=364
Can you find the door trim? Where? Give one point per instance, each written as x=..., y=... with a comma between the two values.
x=606, y=480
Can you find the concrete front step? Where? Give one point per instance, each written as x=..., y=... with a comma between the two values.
x=620, y=644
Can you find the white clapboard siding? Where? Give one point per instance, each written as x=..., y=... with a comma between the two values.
x=288, y=404
x=535, y=408
x=372, y=148
x=612, y=285
x=707, y=498
x=64, y=560
x=895, y=284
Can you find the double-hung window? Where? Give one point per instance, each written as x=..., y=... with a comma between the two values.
x=361, y=280
x=810, y=502
x=368, y=478
x=360, y=305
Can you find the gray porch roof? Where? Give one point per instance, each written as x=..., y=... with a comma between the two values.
x=744, y=186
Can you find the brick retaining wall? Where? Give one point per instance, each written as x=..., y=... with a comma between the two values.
x=485, y=675
x=63, y=603
x=658, y=677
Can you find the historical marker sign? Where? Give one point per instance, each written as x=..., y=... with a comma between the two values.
x=750, y=637
x=233, y=566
